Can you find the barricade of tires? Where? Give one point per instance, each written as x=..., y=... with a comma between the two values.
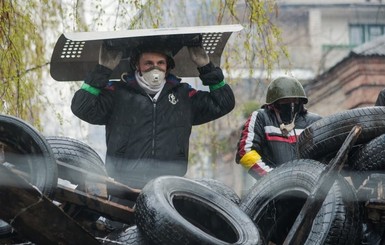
x=176, y=210
x=275, y=201
x=169, y=210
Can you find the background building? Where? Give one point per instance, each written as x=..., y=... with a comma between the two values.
x=353, y=82
x=337, y=41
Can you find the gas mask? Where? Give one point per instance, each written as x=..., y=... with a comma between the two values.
x=154, y=76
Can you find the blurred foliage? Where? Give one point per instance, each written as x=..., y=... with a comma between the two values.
x=259, y=44
x=249, y=107
x=22, y=55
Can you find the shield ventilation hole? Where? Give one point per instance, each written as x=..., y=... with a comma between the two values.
x=72, y=49
x=210, y=41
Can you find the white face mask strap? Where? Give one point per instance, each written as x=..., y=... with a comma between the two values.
x=285, y=128
x=292, y=104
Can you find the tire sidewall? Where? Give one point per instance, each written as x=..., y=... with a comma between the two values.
x=158, y=195
x=325, y=136
x=29, y=146
x=301, y=176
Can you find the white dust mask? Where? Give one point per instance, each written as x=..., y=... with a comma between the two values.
x=152, y=81
x=154, y=77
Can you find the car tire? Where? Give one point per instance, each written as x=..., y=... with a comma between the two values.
x=368, y=158
x=78, y=154
x=275, y=201
x=127, y=236
x=175, y=210
x=325, y=136
x=26, y=150
x=221, y=188
x=75, y=153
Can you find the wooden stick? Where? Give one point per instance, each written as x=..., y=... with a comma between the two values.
x=302, y=225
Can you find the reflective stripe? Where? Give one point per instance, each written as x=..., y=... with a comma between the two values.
x=90, y=89
x=274, y=134
x=277, y=131
x=246, y=141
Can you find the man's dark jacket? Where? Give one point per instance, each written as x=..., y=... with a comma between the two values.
x=262, y=133
x=147, y=138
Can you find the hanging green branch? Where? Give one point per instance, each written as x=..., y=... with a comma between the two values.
x=22, y=56
x=262, y=41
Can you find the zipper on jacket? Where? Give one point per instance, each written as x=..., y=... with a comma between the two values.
x=153, y=125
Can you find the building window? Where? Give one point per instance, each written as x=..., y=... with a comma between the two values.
x=360, y=33
x=375, y=31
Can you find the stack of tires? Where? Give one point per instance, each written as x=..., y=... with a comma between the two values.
x=176, y=210
x=169, y=210
x=276, y=200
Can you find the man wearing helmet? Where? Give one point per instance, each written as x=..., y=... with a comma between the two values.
x=269, y=136
x=148, y=114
